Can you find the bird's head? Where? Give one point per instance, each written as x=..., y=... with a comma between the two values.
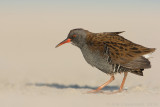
x=76, y=37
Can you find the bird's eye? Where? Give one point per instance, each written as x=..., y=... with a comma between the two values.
x=74, y=36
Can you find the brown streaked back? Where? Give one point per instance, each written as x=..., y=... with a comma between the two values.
x=120, y=49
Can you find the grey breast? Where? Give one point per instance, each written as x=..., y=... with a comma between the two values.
x=96, y=60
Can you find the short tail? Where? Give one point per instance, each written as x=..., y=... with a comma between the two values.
x=138, y=72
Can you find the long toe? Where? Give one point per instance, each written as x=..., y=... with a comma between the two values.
x=115, y=92
x=94, y=91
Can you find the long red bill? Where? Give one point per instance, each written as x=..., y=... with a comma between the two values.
x=63, y=42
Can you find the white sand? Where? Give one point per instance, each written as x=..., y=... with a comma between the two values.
x=35, y=74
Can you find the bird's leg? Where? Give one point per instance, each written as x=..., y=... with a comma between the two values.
x=122, y=84
x=124, y=79
x=102, y=86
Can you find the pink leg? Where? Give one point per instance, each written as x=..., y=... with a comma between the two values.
x=102, y=86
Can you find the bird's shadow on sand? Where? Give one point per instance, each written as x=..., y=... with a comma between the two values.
x=74, y=86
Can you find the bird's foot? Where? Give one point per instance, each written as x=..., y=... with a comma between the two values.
x=94, y=91
x=115, y=92
x=118, y=91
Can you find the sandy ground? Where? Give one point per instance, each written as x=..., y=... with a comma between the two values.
x=33, y=73
x=37, y=74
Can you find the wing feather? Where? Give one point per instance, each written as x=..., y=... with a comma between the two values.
x=120, y=50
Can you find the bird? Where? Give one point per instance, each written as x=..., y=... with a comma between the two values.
x=110, y=53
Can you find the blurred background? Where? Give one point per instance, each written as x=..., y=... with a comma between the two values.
x=30, y=30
